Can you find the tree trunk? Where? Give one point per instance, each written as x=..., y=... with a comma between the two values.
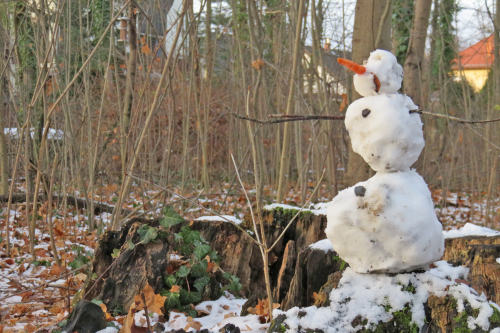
x=367, y=29
x=129, y=88
x=416, y=48
x=4, y=185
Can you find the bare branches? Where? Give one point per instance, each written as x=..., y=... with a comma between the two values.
x=282, y=118
x=460, y=120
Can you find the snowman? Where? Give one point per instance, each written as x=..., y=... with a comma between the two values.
x=386, y=224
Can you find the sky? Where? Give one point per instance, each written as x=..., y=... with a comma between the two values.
x=472, y=21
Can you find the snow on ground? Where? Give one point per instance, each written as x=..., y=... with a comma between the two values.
x=54, y=134
x=220, y=313
x=376, y=297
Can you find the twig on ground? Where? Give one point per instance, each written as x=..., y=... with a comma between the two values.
x=146, y=312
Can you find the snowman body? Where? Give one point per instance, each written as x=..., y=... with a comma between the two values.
x=386, y=224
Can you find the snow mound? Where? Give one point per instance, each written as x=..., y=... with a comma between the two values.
x=377, y=297
x=392, y=228
x=384, y=132
x=470, y=229
x=385, y=66
x=218, y=218
x=324, y=245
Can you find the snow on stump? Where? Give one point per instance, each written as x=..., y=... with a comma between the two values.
x=433, y=301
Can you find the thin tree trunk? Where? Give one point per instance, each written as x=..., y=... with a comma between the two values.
x=129, y=87
x=292, y=88
x=413, y=64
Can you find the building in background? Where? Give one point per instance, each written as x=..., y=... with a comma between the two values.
x=475, y=62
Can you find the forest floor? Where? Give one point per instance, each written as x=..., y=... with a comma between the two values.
x=36, y=294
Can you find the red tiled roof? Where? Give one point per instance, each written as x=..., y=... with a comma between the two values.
x=477, y=56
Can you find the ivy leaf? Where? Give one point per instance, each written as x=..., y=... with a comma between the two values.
x=178, y=238
x=201, y=251
x=171, y=217
x=201, y=282
x=183, y=271
x=116, y=253
x=199, y=269
x=190, y=236
x=172, y=300
x=213, y=255
x=147, y=233
x=169, y=280
x=75, y=264
x=192, y=313
x=130, y=245
x=188, y=297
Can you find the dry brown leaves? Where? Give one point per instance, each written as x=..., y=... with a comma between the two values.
x=258, y=64
x=262, y=308
x=154, y=304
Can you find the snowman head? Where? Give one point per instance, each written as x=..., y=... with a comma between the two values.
x=380, y=74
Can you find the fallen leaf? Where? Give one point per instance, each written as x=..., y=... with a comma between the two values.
x=137, y=329
x=195, y=324
x=30, y=328
x=57, y=270
x=175, y=289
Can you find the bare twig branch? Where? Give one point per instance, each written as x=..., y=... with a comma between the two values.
x=482, y=137
x=282, y=118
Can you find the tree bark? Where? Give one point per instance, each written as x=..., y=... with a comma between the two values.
x=367, y=29
x=129, y=88
x=416, y=48
x=4, y=185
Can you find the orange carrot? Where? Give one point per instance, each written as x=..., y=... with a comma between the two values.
x=358, y=69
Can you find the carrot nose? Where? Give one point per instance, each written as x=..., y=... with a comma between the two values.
x=358, y=69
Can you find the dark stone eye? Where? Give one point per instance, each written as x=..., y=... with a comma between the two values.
x=359, y=191
x=365, y=113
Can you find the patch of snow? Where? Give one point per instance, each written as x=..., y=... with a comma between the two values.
x=174, y=256
x=53, y=133
x=108, y=330
x=470, y=229
x=498, y=260
x=324, y=245
x=375, y=297
x=316, y=209
x=218, y=218
x=220, y=313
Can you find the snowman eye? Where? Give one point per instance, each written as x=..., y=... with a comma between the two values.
x=365, y=113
